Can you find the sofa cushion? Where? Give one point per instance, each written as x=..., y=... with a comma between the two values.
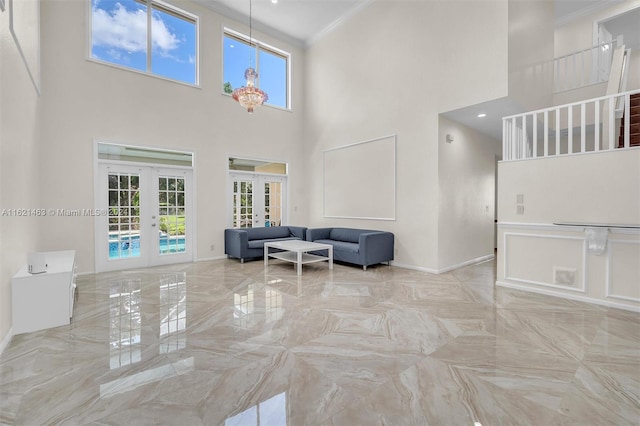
x=253, y=244
x=268, y=232
x=342, y=246
x=345, y=234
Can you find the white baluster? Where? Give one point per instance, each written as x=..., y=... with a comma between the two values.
x=535, y=135
x=557, y=131
x=583, y=135
x=570, y=129
x=524, y=136
x=597, y=125
x=627, y=120
x=612, y=122
x=546, y=133
x=513, y=138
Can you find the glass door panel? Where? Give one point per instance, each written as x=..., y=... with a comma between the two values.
x=272, y=203
x=172, y=213
x=124, y=215
x=171, y=222
x=243, y=203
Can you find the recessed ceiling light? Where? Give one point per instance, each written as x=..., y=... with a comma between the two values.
x=274, y=1
x=482, y=115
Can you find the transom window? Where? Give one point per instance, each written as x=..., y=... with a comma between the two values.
x=271, y=64
x=146, y=35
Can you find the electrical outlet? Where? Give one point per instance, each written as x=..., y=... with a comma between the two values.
x=520, y=209
x=213, y=247
x=396, y=252
x=519, y=198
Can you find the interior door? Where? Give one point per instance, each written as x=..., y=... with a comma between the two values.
x=146, y=216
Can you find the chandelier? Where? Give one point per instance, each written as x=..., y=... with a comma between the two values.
x=250, y=96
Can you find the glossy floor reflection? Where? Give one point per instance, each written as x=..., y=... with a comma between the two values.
x=224, y=343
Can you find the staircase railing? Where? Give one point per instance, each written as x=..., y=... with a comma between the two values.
x=579, y=127
x=583, y=68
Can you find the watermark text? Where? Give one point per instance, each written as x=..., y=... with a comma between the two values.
x=54, y=212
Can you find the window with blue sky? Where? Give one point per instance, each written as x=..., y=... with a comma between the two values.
x=271, y=65
x=147, y=36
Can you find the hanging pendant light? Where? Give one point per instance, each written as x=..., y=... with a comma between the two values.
x=250, y=96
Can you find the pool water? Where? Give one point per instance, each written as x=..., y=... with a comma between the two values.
x=129, y=246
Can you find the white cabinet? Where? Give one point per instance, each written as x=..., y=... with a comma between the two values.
x=45, y=300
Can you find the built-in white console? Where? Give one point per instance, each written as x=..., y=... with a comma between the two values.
x=44, y=300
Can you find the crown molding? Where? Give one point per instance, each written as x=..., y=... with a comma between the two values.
x=586, y=11
x=241, y=18
x=338, y=22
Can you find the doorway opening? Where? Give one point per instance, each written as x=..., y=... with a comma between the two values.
x=145, y=200
x=257, y=193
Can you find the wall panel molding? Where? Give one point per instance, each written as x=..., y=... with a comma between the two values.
x=611, y=291
x=511, y=276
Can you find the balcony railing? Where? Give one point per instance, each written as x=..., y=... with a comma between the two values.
x=583, y=68
x=580, y=127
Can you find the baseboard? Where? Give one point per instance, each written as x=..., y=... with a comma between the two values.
x=7, y=339
x=475, y=261
x=206, y=259
x=576, y=297
x=414, y=268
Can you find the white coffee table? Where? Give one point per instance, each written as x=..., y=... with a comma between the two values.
x=297, y=251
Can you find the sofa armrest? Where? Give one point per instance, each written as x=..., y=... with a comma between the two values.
x=236, y=242
x=376, y=247
x=298, y=231
x=318, y=234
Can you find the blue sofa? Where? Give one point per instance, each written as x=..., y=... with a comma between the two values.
x=358, y=246
x=247, y=243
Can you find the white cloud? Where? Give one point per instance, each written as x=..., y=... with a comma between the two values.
x=161, y=36
x=116, y=55
x=127, y=30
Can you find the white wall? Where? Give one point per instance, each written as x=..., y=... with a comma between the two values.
x=531, y=53
x=592, y=188
x=19, y=171
x=392, y=69
x=601, y=187
x=466, y=171
x=84, y=100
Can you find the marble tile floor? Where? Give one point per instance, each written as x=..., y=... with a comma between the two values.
x=224, y=343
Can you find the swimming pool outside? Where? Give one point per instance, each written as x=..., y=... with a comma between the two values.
x=129, y=245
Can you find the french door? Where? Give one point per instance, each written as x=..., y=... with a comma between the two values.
x=145, y=216
x=257, y=200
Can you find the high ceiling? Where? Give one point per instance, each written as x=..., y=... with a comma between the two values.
x=296, y=21
x=303, y=21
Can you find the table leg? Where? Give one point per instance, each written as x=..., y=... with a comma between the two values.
x=299, y=263
x=330, y=257
x=266, y=255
